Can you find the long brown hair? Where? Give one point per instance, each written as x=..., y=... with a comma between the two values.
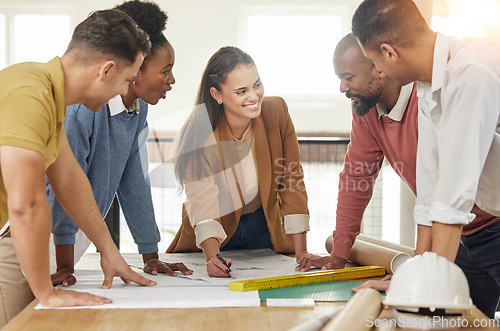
x=188, y=149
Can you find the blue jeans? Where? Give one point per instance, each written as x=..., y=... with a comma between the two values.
x=252, y=232
x=479, y=258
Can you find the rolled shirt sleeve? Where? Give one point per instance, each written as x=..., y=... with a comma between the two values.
x=426, y=169
x=209, y=229
x=296, y=223
x=454, y=142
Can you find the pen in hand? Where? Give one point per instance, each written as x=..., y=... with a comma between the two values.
x=225, y=264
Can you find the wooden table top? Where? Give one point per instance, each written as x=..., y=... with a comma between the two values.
x=251, y=318
x=247, y=318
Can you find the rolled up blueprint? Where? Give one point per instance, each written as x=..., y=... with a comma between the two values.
x=387, y=244
x=366, y=253
x=364, y=306
x=317, y=323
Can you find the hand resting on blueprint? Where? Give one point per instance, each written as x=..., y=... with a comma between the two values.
x=379, y=285
x=66, y=298
x=64, y=277
x=153, y=265
x=113, y=265
x=323, y=262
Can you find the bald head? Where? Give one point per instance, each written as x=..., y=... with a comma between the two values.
x=349, y=46
x=359, y=78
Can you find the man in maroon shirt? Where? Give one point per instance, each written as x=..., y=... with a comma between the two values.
x=385, y=125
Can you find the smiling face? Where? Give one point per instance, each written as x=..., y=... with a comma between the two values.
x=241, y=94
x=155, y=78
x=359, y=80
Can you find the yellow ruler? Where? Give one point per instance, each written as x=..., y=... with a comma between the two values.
x=305, y=278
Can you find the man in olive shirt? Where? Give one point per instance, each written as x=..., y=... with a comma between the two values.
x=103, y=56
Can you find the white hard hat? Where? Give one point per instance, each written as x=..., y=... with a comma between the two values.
x=429, y=281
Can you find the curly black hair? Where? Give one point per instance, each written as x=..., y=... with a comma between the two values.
x=149, y=17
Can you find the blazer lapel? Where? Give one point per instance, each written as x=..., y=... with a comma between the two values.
x=264, y=166
x=229, y=159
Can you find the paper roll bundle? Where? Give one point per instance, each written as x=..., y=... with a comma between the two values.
x=363, y=307
x=384, y=243
x=367, y=253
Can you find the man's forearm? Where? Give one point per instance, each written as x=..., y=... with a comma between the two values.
x=30, y=232
x=78, y=202
x=29, y=214
x=424, y=239
x=446, y=239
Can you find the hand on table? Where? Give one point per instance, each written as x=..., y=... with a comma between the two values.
x=299, y=256
x=323, y=262
x=379, y=285
x=215, y=267
x=113, y=265
x=63, y=277
x=68, y=298
x=155, y=266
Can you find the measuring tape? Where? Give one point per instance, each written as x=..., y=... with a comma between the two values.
x=305, y=278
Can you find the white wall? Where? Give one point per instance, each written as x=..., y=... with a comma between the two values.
x=196, y=29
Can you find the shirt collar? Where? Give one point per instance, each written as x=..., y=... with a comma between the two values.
x=116, y=106
x=440, y=60
x=399, y=108
x=247, y=135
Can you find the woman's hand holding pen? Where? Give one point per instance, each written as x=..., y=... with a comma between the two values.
x=215, y=265
x=216, y=268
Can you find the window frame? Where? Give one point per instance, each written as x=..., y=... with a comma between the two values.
x=344, y=11
x=11, y=10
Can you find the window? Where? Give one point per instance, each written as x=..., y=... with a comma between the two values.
x=2, y=42
x=39, y=37
x=293, y=47
x=463, y=18
x=457, y=26
x=33, y=33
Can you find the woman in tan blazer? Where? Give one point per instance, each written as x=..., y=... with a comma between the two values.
x=237, y=158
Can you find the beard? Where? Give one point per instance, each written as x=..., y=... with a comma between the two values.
x=363, y=104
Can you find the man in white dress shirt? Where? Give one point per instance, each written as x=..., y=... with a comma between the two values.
x=458, y=155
